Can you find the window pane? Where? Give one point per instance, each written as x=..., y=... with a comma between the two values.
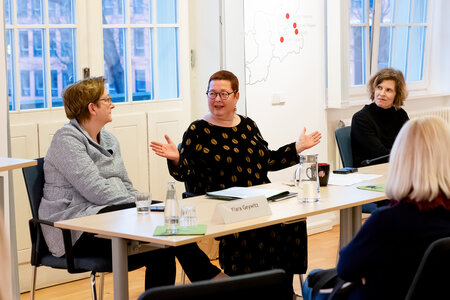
x=10, y=68
x=415, y=60
x=387, y=11
x=168, y=86
x=8, y=12
x=140, y=12
x=357, y=11
x=385, y=48
x=141, y=66
x=32, y=95
x=54, y=81
x=60, y=12
x=29, y=12
x=357, y=56
x=166, y=11
x=63, y=61
x=404, y=11
x=37, y=43
x=401, y=48
x=38, y=83
x=23, y=43
x=114, y=60
x=113, y=12
x=420, y=11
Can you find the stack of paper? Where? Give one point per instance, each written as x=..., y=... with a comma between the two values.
x=349, y=179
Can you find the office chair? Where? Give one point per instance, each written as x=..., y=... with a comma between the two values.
x=261, y=285
x=41, y=256
x=432, y=276
x=343, y=140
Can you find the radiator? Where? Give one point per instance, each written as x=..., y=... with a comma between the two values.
x=441, y=112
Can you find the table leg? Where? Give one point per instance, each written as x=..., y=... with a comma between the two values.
x=120, y=268
x=350, y=220
x=10, y=224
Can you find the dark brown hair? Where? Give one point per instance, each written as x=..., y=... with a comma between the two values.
x=389, y=74
x=225, y=75
x=77, y=97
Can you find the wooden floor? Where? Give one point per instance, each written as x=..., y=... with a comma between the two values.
x=322, y=253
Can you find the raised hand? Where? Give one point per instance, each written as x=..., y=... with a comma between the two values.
x=306, y=141
x=169, y=150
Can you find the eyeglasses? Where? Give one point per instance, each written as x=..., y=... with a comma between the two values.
x=107, y=100
x=223, y=95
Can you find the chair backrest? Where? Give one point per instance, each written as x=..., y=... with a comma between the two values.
x=34, y=182
x=343, y=141
x=433, y=274
x=261, y=285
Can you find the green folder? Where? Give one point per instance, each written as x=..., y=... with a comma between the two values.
x=375, y=187
x=200, y=229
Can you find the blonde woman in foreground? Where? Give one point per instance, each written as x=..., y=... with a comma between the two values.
x=385, y=254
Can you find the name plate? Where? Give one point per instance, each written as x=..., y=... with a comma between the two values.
x=242, y=209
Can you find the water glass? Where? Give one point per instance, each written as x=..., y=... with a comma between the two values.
x=188, y=216
x=143, y=201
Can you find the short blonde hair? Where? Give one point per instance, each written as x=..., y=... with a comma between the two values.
x=400, y=85
x=420, y=161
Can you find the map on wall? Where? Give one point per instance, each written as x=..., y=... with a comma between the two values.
x=272, y=33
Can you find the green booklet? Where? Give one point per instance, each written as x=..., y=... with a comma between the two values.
x=200, y=229
x=375, y=187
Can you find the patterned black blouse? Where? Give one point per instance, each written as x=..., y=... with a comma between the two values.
x=214, y=157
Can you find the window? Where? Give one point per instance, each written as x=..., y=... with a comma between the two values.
x=25, y=82
x=139, y=42
x=37, y=43
x=54, y=79
x=23, y=39
x=53, y=43
x=387, y=33
x=140, y=80
x=139, y=57
x=38, y=84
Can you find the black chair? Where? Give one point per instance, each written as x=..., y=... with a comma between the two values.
x=343, y=140
x=344, y=145
x=433, y=274
x=41, y=256
x=261, y=285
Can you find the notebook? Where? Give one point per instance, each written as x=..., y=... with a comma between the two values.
x=246, y=192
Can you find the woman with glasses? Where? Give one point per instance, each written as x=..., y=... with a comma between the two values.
x=85, y=175
x=224, y=149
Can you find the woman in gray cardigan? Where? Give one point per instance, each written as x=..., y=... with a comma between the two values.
x=85, y=175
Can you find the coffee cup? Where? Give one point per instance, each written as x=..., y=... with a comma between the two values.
x=324, y=173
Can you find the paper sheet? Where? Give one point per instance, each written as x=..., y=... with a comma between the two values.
x=350, y=179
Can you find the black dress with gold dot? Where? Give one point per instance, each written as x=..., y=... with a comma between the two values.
x=214, y=158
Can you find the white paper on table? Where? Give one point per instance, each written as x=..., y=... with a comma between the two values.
x=349, y=179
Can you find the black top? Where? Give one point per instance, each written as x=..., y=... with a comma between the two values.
x=374, y=130
x=214, y=158
x=388, y=249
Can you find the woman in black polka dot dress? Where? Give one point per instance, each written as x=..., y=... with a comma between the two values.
x=223, y=150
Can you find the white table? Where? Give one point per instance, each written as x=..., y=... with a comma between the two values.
x=122, y=226
x=9, y=164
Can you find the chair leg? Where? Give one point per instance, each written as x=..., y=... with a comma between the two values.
x=101, y=286
x=183, y=276
x=33, y=282
x=93, y=291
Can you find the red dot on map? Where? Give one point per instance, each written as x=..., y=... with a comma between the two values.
x=281, y=39
x=295, y=25
x=296, y=31
x=287, y=16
